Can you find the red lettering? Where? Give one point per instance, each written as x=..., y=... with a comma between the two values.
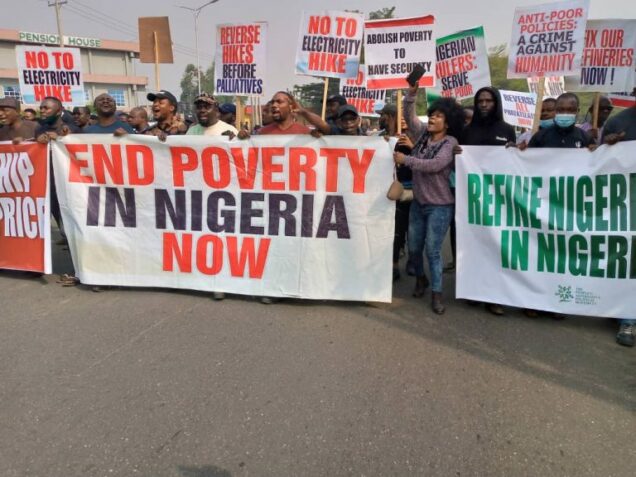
x=172, y=251
x=247, y=254
x=114, y=165
x=270, y=168
x=76, y=164
x=245, y=175
x=203, y=245
x=133, y=152
x=223, y=169
x=319, y=25
x=183, y=159
x=296, y=168
x=359, y=168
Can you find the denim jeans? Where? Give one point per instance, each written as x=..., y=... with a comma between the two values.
x=428, y=225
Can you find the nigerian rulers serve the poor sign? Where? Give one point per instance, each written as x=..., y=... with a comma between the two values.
x=548, y=39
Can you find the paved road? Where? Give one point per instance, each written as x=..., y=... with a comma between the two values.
x=160, y=383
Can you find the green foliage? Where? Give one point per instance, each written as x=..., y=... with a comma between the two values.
x=190, y=90
x=310, y=95
x=382, y=13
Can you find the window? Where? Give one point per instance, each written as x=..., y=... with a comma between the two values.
x=87, y=96
x=119, y=95
x=12, y=91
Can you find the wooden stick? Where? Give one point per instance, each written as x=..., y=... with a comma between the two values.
x=597, y=103
x=399, y=112
x=239, y=113
x=324, y=99
x=537, y=112
x=157, y=82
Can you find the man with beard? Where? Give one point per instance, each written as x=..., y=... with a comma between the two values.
x=267, y=114
x=81, y=116
x=283, y=107
x=164, y=110
x=13, y=127
x=107, y=122
x=208, y=115
x=487, y=128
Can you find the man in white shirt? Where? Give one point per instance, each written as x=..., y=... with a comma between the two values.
x=210, y=124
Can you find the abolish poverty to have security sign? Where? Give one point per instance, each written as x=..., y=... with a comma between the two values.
x=54, y=72
x=276, y=215
x=547, y=39
x=239, y=67
x=545, y=232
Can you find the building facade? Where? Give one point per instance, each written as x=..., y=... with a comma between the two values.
x=108, y=66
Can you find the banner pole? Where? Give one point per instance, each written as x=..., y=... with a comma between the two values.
x=537, y=112
x=324, y=99
x=154, y=34
x=597, y=103
x=399, y=112
x=239, y=113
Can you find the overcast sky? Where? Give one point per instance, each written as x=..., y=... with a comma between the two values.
x=117, y=19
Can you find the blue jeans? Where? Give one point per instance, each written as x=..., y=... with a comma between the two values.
x=428, y=225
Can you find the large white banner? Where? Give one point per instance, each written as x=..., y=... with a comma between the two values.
x=548, y=39
x=608, y=57
x=281, y=216
x=549, y=229
x=240, y=60
x=46, y=71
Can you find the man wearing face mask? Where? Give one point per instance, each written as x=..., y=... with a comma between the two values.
x=564, y=133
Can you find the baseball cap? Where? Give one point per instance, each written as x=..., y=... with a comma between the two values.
x=347, y=108
x=162, y=95
x=341, y=100
x=9, y=103
x=390, y=109
x=226, y=108
x=205, y=98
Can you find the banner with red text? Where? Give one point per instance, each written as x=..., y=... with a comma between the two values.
x=548, y=229
x=518, y=107
x=622, y=100
x=280, y=216
x=554, y=86
x=608, y=57
x=44, y=71
x=240, y=60
x=462, y=65
x=393, y=47
x=548, y=39
x=25, y=238
x=367, y=101
x=329, y=44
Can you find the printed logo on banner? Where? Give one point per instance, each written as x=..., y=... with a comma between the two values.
x=329, y=44
x=548, y=39
x=608, y=57
x=564, y=293
x=239, y=66
x=50, y=72
x=366, y=101
x=273, y=215
x=25, y=242
x=392, y=49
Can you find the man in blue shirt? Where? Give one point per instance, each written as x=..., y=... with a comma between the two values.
x=107, y=122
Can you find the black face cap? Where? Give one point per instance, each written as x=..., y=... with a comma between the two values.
x=348, y=108
x=163, y=95
x=338, y=98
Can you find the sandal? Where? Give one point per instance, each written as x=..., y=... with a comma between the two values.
x=67, y=280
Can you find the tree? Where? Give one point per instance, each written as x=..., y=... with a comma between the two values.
x=382, y=13
x=190, y=90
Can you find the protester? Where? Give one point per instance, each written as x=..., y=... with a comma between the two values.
x=564, y=133
x=469, y=112
x=431, y=161
x=605, y=108
x=228, y=113
x=334, y=102
x=164, y=110
x=622, y=127
x=548, y=111
x=14, y=128
x=284, y=122
x=107, y=122
x=81, y=116
x=51, y=124
x=138, y=120
x=29, y=114
x=347, y=121
x=266, y=114
x=208, y=115
x=487, y=128
x=123, y=116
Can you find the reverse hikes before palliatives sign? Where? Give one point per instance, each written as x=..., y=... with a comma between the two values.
x=548, y=229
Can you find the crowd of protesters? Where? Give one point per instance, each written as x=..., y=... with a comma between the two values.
x=424, y=155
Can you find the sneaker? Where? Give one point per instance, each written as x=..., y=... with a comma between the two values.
x=450, y=267
x=268, y=300
x=625, y=335
x=421, y=284
x=495, y=309
x=218, y=295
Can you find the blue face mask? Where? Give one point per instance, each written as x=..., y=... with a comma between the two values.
x=565, y=120
x=546, y=123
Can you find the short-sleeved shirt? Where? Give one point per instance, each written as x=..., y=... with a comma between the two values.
x=625, y=121
x=25, y=130
x=571, y=137
x=295, y=128
x=98, y=129
x=217, y=129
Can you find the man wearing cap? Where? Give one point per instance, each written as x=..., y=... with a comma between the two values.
x=207, y=111
x=228, y=113
x=347, y=122
x=107, y=120
x=334, y=102
x=13, y=127
x=164, y=110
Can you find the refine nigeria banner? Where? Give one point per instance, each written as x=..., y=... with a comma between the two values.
x=283, y=216
x=546, y=229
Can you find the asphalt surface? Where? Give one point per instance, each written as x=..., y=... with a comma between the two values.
x=132, y=382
